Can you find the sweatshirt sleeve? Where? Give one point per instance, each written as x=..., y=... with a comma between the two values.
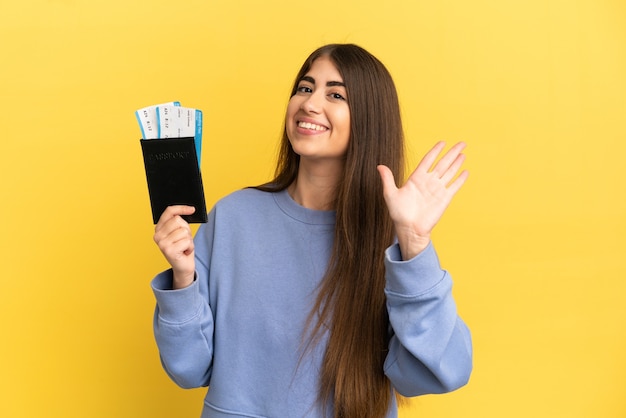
x=430, y=350
x=183, y=323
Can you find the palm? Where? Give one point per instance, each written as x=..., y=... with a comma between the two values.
x=417, y=206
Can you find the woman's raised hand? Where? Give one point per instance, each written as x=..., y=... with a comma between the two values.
x=173, y=236
x=417, y=206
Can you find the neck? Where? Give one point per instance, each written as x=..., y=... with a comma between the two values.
x=315, y=189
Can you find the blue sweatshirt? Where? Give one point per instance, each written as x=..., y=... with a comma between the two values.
x=239, y=327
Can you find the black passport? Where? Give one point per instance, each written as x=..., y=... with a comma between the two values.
x=174, y=176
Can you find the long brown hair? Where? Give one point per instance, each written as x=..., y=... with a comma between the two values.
x=350, y=305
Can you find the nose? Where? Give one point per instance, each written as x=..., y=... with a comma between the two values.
x=313, y=103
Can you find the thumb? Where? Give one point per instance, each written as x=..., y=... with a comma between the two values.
x=386, y=176
x=186, y=209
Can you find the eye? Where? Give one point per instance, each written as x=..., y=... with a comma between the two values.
x=304, y=89
x=337, y=96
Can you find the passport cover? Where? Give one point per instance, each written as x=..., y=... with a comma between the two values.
x=173, y=176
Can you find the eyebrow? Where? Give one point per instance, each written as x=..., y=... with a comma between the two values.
x=329, y=84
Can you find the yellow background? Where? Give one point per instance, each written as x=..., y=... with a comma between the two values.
x=535, y=240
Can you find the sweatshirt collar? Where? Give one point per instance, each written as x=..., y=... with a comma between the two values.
x=302, y=214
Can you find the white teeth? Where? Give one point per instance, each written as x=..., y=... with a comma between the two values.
x=312, y=126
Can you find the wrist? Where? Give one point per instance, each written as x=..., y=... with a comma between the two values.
x=412, y=244
x=182, y=280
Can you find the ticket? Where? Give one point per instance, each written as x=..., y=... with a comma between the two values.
x=147, y=118
x=180, y=122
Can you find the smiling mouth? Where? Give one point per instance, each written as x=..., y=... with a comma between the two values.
x=312, y=126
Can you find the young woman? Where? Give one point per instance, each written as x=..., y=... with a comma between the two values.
x=319, y=294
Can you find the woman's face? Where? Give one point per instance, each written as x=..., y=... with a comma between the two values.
x=318, y=117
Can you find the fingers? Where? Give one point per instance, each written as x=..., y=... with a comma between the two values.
x=447, y=167
x=387, y=178
x=430, y=157
x=448, y=159
x=456, y=184
x=452, y=170
x=171, y=220
x=173, y=234
x=172, y=212
x=177, y=243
